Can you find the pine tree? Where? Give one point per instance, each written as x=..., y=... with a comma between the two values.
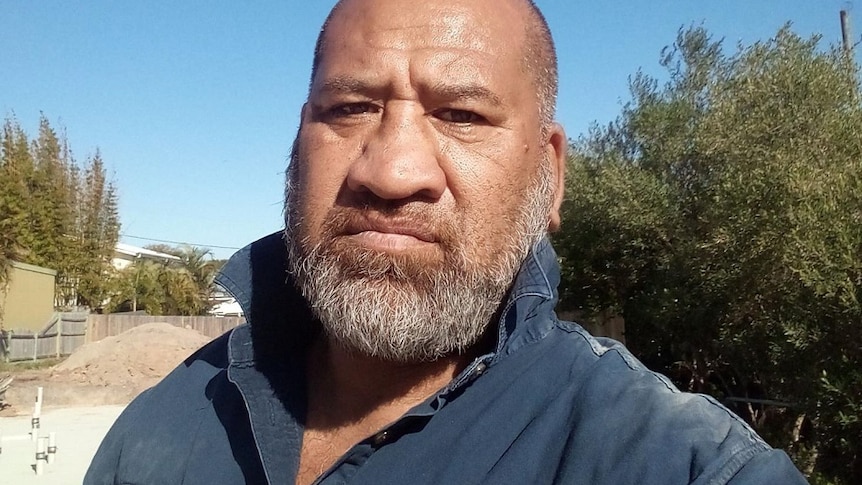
x=16, y=170
x=99, y=230
x=67, y=282
x=51, y=213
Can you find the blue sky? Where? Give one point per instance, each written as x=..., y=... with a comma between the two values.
x=194, y=104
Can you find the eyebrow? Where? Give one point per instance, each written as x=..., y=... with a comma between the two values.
x=345, y=85
x=449, y=91
x=468, y=91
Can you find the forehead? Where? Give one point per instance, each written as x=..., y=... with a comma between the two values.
x=474, y=37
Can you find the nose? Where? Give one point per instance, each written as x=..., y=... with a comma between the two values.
x=400, y=158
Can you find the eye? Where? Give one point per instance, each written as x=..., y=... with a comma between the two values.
x=351, y=109
x=459, y=116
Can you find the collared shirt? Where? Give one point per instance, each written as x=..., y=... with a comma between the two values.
x=550, y=404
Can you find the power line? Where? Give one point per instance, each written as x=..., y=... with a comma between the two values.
x=177, y=242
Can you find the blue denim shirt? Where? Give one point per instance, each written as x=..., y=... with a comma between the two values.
x=551, y=404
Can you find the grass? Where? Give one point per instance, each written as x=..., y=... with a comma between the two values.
x=25, y=365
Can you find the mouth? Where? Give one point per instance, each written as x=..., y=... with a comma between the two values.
x=391, y=235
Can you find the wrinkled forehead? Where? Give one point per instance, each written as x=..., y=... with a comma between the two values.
x=444, y=23
x=492, y=29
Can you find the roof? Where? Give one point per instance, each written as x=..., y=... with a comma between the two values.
x=33, y=268
x=145, y=253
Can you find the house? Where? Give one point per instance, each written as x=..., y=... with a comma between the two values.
x=227, y=309
x=223, y=304
x=28, y=302
x=126, y=254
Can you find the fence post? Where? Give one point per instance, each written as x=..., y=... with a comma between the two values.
x=57, y=347
x=91, y=328
x=7, y=345
x=35, y=347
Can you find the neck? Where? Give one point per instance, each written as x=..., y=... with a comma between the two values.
x=348, y=389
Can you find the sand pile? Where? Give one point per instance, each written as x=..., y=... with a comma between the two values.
x=135, y=359
x=111, y=371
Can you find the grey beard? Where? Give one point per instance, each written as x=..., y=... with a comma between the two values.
x=371, y=305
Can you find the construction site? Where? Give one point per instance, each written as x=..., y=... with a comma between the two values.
x=54, y=414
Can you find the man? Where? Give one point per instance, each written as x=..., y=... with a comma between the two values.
x=414, y=339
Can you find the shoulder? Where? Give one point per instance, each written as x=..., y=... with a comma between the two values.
x=627, y=414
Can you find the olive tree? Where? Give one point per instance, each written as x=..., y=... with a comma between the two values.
x=721, y=216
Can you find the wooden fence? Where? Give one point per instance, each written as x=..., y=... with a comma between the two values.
x=68, y=331
x=102, y=326
x=62, y=335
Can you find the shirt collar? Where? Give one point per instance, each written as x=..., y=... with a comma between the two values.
x=533, y=294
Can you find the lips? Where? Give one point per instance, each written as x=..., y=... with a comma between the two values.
x=389, y=233
x=405, y=228
x=389, y=227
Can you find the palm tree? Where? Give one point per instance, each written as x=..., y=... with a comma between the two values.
x=201, y=267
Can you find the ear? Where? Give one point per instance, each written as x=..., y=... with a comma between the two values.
x=303, y=113
x=293, y=169
x=557, y=149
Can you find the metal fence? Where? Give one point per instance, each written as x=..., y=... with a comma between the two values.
x=68, y=331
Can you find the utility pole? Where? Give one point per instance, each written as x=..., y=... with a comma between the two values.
x=846, y=36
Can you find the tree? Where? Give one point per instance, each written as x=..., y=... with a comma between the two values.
x=98, y=232
x=184, y=288
x=720, y=216
x=137, y=288
x=16, y=169
x=201, y=268
x=52, y=216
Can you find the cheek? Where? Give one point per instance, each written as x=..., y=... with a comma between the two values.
x=327, y=158
x=475, y=172
x=490, y=177
x=322, y=171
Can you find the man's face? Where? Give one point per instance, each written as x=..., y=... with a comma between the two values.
x=420, y=171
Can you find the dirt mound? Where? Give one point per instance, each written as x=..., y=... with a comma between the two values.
x=135, y=359
x=111, y=371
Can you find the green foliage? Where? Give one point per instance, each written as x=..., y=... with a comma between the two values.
x=16, y=168
x=721, y=216
x=52, y=216
x=98, y=223
x=183, y=288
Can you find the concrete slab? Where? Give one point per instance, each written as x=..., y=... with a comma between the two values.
x=79, y=431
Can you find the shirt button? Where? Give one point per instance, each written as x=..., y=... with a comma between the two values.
x=380, y=438
x=480, y=369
